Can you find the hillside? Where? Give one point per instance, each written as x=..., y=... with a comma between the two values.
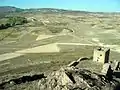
x=5, y=10
x=8, y=9
x=11, y=9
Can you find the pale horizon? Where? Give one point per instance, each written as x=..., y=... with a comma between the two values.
x=83, y=5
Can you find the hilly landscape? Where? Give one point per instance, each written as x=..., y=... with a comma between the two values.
x=36, y=41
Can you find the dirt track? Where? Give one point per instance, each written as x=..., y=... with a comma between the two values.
x=9, y=56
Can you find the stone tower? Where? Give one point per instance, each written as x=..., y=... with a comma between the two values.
x=101, y=55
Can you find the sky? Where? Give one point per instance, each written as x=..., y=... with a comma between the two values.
x=83, y=5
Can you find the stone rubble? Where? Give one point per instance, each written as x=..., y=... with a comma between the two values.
x=72, y=78
x=107, y=70
x=116, y=66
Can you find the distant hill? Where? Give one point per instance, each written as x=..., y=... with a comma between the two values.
x=6, y=9
x=53, y=10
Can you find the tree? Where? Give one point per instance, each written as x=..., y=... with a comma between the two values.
x=17, y=20
x=12, y=21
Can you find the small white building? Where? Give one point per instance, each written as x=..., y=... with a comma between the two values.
x=101, y=55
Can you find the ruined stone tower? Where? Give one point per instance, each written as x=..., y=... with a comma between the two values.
x=101, y=55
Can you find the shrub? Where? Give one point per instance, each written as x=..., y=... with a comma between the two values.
x=17, y=20
x=12, y=21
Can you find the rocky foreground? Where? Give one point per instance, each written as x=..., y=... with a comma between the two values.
x=69, y=78
x=72, y=78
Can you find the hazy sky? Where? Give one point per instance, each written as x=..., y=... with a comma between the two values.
x=87, y=5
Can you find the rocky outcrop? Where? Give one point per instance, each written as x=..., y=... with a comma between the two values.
x=72, y=78
x=75, y=63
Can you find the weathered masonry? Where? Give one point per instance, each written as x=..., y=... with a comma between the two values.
x=101, y=55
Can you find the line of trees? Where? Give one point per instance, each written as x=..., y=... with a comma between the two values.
x=12, y=21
